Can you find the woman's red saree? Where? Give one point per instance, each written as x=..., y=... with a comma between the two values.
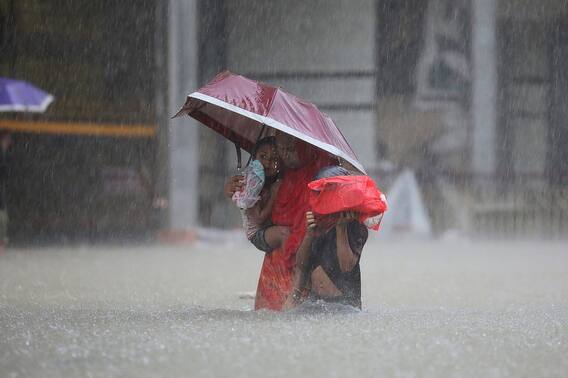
x=290, y=208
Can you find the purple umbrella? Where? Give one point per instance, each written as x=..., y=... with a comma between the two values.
x=20, y=96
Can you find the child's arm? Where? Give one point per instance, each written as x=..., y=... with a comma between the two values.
x=265, y=212
x=348, y=250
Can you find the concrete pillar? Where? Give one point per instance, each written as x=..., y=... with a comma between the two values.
x=484, y=91
x=213, y=206
x=183, y=143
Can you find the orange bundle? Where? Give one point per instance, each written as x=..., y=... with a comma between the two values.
x=347, y=193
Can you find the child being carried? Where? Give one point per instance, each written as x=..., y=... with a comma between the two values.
x=257, y=197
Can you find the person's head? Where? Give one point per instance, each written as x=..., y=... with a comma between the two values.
x=264, y=152
x=5, y=139
x=332, y=171
x=287, y=148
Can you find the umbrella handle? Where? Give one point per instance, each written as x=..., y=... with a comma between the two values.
x=239, y=165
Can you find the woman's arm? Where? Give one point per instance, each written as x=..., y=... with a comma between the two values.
x=233, y=184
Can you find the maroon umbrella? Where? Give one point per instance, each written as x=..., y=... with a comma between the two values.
x=239, y=109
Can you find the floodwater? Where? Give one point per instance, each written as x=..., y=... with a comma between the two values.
x=431, y=309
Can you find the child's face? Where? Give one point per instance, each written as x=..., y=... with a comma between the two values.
x=266, y=154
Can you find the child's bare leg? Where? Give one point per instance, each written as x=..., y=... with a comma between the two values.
x=275, y=236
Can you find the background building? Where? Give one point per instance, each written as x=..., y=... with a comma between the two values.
x=469, y=94
x=86, y=168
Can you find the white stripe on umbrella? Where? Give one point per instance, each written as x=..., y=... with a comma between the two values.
x=28, y=108
x=280, y=126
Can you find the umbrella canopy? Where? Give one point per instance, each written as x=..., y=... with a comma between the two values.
x=238, y=108
x=20, y=96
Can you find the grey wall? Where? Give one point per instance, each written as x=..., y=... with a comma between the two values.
x=323, y=51
x=526, y=81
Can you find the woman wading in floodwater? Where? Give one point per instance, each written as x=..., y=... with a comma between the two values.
x=329, y=257
x=300, y=163
x=243, y=111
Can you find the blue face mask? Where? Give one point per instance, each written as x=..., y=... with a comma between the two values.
x=258, y=169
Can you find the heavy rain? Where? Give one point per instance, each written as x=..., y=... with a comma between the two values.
x=194, y=187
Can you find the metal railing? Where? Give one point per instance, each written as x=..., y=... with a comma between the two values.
x=526, y=207
x=491, y=206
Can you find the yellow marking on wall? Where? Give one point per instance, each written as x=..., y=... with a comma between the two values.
x=78, y=128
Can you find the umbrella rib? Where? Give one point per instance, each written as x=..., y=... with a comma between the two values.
x=269, y=107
